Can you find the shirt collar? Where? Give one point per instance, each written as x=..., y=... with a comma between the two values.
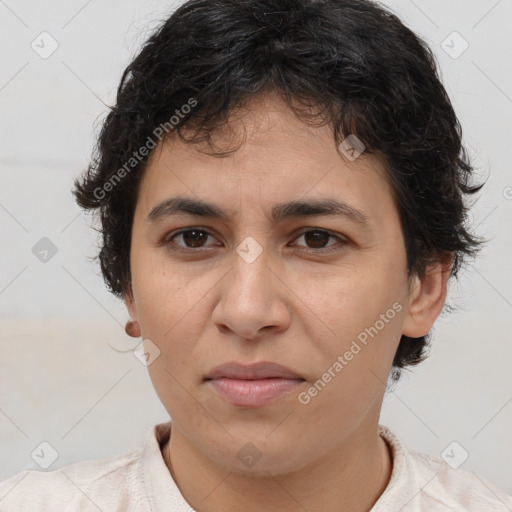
x=161, y=489
x=401, y=489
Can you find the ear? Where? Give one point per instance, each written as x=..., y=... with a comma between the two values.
x=132, y=326
x=426, y=298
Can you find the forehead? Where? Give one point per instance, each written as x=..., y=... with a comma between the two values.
x=270, y=157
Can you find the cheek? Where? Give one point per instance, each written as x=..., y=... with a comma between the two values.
x=364, y=312
x=166, y=294
x=351, y=299
x=355, y=363
x=171, y=314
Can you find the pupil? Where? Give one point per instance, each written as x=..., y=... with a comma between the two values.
x=196, y=239
x=315, y=239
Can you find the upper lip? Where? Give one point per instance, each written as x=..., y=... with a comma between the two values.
x=261, y=370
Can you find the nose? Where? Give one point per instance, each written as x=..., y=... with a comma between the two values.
x=253, y=299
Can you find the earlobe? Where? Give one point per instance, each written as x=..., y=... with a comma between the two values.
x=426, y=299
x=132, y=329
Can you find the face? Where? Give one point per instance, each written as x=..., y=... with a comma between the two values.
x=324, y=295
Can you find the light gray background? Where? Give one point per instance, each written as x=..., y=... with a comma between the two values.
x=61, y=378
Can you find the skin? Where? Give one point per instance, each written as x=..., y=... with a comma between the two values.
x=301, y=309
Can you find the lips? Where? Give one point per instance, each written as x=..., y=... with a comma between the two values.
x=262, y=370
x=253, y=385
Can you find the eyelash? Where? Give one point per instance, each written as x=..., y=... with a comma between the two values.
x=174, y=247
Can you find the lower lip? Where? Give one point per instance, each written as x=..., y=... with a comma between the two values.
x=253, y=393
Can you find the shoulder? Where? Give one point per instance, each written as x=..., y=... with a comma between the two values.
x=425, y=482
x=458, y=487
x=89, y=485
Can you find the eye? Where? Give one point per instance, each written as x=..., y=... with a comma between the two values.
x=193, y=238
x=318, y=238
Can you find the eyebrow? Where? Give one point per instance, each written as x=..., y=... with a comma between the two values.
x=188, y=206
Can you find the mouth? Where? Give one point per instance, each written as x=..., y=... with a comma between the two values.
x=253, y=385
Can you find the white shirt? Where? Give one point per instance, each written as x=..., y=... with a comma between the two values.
x=140, y=481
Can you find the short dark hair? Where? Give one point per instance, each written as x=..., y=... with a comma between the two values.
x=351, y=64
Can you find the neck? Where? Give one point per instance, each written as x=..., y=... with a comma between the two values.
x=352, y=477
